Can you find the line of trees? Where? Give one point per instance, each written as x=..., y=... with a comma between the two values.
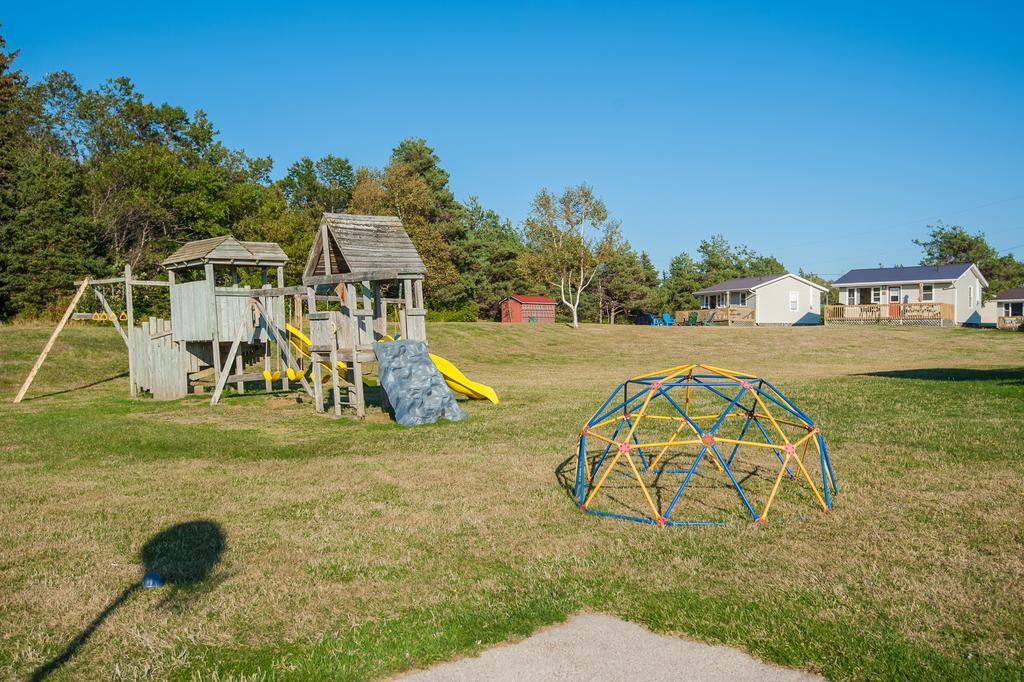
x=92, y=179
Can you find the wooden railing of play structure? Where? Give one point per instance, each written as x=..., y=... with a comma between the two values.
x=898, y=313
x=1010, y=322
x=724, y=316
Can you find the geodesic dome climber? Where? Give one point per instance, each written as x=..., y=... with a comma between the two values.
x=687, y=440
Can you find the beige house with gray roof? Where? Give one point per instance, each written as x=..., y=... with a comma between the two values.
x=783, y=299
x=920, y=294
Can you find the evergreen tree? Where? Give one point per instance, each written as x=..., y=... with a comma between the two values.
x=624, y=279
x=50, y=241
x=486, y=255
x=13, y=140
x=718, y=261
x=683, y=278
x=399, y=191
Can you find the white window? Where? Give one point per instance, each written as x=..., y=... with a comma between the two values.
x=970, y=297
x=794, y=300
x=851, y=297
x=928, y=292
x=876, y=294
x=743, y=300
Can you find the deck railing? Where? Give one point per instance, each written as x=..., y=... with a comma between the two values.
x=733, y=315
x=896, y=313
x=1010, y=322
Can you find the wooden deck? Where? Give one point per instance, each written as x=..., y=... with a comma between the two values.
x=937, y=314
x=1011, y=322
x=722, y=316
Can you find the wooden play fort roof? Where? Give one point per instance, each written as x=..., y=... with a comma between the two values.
x=226, y=251
x=363, y=244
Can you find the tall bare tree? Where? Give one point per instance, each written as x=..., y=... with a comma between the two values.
x=566, y=236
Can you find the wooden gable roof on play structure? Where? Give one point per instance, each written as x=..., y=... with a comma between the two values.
x=364, y=244
x=226, y=251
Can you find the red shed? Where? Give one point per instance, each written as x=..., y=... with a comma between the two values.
x=538, y=309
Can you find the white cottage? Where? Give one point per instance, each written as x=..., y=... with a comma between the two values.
x=784, y=299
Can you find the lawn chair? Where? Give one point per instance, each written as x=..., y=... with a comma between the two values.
x=691, y=320
x=652, y=320
x=668, y=319
x=709, y=320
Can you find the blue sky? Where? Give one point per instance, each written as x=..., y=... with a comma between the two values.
x=828, y=134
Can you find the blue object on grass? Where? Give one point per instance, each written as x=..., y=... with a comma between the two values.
x=653, y=320
x=152, y=579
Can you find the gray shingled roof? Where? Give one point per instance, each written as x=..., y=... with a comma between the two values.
x=226, y=250
x=738, y=284
x=913, y=273
x=1014, y=294
x=365, y=243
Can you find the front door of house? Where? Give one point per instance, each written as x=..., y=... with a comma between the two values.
x=894, y=301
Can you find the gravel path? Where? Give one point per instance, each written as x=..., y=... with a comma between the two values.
x=599, y=647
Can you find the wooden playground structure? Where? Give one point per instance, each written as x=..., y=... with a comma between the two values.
x=222, y=322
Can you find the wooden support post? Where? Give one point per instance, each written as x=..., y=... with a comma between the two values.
x=326, y=247
x=421, y=314
x=297, y=323
x=223, y=378
x=129, y=307
x=268, y=384
x=53, y=337
x=380, y=317
x=239, y=370
x=311, y=299
x=318, y=383
x=357, y=376
x=365, y=324
x=212, y=283
x=335, y=388
x=284, y=314
x=239, y=361
x=403, y=320
x=418, y=293
x=348, y=334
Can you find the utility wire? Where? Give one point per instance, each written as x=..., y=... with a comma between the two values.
x=922, y=220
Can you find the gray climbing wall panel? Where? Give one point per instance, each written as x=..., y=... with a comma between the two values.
x=416, y=390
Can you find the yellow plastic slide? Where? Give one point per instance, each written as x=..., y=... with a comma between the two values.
x=458, y=382
x=300, y=342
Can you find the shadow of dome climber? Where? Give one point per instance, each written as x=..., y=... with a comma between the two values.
x=182, y=557
x=680, y=445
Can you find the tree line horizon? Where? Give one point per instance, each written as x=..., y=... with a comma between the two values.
x=94, y=179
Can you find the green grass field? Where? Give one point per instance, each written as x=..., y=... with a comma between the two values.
x=360, y=549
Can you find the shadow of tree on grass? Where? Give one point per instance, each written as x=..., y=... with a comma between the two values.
x=1006, y=375
x=184, y=555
